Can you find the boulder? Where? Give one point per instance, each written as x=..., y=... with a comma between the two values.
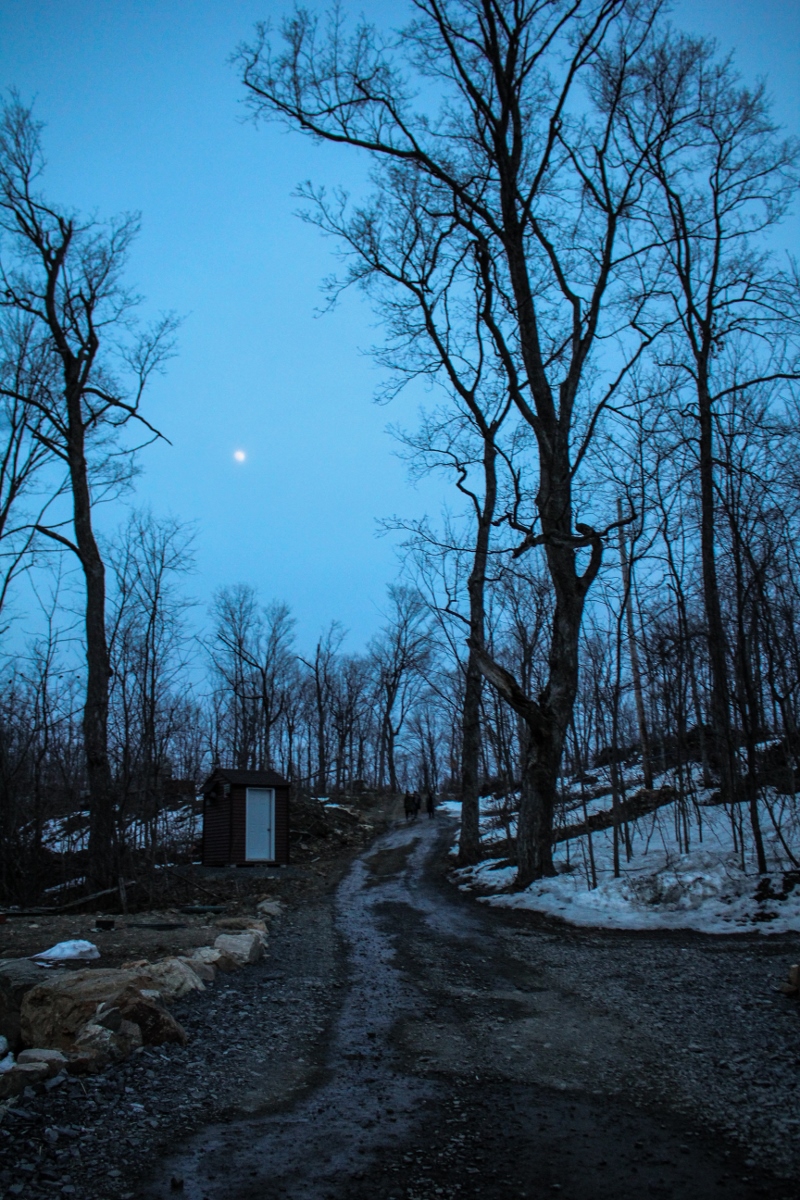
x=108, y=1015
x=110, y=1044
x=174, y=977
x=18, y=1078
x=203, y=970
x=215, y=958
x=17, y=977
x=54, y=1060
x=243, y=948
x=157, y=1025
x=270, y=907
x=52, y=1012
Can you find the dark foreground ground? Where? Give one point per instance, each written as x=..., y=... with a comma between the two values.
x=404, y=1041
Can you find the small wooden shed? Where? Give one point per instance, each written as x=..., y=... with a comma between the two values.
x=245, y=818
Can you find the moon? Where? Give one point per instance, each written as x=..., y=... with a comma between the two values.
x=239, y=455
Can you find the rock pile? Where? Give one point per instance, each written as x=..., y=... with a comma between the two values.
x=79, y=1021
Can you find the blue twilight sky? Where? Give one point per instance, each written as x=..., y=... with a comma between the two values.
x=142, y=112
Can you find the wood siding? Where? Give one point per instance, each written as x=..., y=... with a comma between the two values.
x=216, y=830
x=225, y=827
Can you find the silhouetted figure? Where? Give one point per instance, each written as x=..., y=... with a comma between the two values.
x=411, y=804
x=430, y=805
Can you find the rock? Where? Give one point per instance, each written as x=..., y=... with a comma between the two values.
x=54, y=1060
x=240, y=924
x=204, y=970
x=85, y=1062
x=54, y=1010
x=7, y=1062
x=157, y=1025
x=18, y=1078
x=215, y=958
x=174, y=977
x=109, y=1016
x=112, y=1044
x=242, y=947
x=4, y=1047
x=17, y=977
x=270, y=908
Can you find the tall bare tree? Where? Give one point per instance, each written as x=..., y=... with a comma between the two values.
x=544, y=195
x=64, y=275
x=724, y=177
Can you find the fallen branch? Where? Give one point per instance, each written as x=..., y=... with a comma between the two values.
x=41, y=911
x=644, y=802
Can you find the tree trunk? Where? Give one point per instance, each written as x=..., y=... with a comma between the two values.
x=469, y=847
x=717, y=656
x=98, y=667
x=633, y=652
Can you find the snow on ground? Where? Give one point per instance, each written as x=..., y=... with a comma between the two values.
x=70, y=834
x=709, y=886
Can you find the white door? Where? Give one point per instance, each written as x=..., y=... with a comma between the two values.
x=260, y=825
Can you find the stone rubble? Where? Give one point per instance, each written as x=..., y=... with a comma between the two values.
x=77, y=1022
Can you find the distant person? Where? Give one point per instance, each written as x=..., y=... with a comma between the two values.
x=430, y=805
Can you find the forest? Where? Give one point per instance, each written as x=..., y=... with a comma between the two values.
x=574, y=236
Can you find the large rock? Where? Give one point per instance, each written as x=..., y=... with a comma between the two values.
x=111, y=1044
x=242, y=947
x=52, y=1012
x=54, y=1060
x=174, y=977
x=18, y=1078
x=206, y=971
x=17, y=977
x=214, y=957
x=158, y=1025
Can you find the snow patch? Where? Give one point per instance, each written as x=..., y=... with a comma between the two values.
x=711, y=887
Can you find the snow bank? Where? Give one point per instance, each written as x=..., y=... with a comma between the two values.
x=711, y=887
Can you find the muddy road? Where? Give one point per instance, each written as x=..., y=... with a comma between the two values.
x=470, y=1052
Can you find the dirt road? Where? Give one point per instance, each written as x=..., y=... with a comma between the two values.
x=468, y=1052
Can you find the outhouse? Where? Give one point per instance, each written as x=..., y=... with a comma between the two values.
x=245, y=818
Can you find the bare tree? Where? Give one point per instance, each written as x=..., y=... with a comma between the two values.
x=65, y=276
x=24, y=378
x=149, y=647
x=251, y=652
x=724, y=177
x=323, y=672
x=399, y=654
x=544, y=198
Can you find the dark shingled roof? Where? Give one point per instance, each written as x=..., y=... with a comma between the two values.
x=244, y=779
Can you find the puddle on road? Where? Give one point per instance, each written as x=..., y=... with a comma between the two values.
x=390, y=861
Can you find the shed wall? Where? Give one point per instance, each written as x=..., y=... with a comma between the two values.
x=216, y=831
x=225, y=827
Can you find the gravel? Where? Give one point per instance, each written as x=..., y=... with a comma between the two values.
x=686, y=1025
x=255, y=1039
